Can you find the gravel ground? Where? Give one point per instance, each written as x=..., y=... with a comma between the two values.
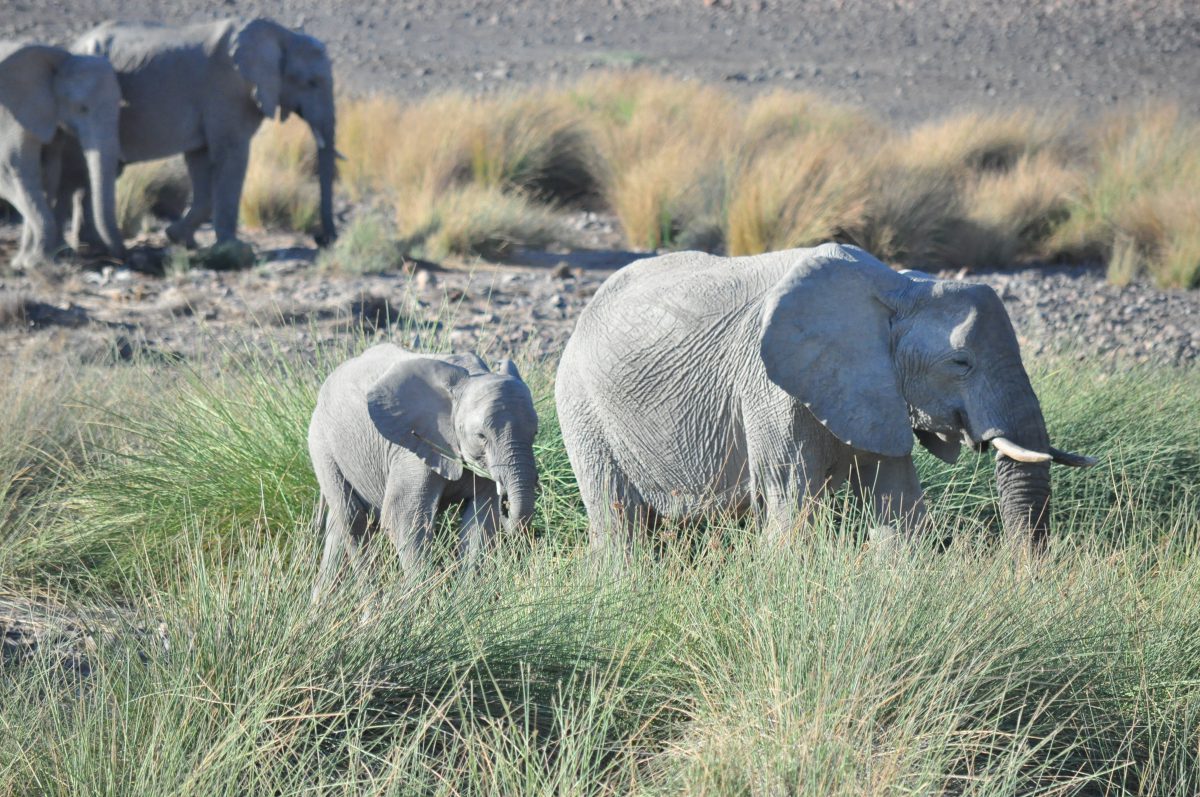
x=531, y=304
x=904, y=59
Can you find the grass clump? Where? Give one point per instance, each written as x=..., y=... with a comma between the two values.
x=479, y=221
x=1135, y=208
x=367, y=245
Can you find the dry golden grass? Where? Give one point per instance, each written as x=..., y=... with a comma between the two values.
x=281, y=186
x=662, y=143
x=1137, y=206
x=157, y=187
x=684, y=164
x=976, y=142
x=801, y=193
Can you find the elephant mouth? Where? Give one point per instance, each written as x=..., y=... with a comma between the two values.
x=505, y=505
x=1003, y=446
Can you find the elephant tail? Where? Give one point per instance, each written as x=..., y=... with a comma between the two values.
x=322, y=511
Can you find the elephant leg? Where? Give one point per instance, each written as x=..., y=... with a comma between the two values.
x=199, y=168
x=346, y=525
x=616, y=509
x=229, y=168
x=479, y=520
x=890, y=486
x=409, y=511
x=789, y=462
x=40, y=239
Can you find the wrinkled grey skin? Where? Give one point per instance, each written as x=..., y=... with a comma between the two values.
x=695, y=383
x=48, y=96
x=389, y=438
x=203, y=90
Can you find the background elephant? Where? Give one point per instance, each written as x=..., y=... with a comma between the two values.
x=389, y=438
x=48, y=95
x=695, y=382
x=203, y=90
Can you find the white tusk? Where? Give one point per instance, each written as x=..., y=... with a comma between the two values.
x=1072, y=459
x=320, y=139
x=1013, y=451
x=339, y=155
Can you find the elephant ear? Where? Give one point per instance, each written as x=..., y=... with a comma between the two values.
x=507, y=367
x=412, y=405
x=27, y=86
x=257, y=52
x=472, y=362
x=944, y=448
x=826, y=339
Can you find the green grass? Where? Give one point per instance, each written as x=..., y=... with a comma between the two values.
x=709, y=664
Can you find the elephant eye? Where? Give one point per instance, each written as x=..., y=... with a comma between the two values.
x=961, y=363
x=314, y=82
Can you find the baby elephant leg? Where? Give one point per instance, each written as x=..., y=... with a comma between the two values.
x=345, y=522
x=409, y=511
x=479, y=520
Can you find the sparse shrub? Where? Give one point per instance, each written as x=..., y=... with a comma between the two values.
x=484, y=222
x=367, y=245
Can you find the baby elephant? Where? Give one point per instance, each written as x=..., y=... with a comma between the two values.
x=397, y=437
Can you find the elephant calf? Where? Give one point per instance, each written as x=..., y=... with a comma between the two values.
x=48, y=96
x=397, y=437
x=694, y=383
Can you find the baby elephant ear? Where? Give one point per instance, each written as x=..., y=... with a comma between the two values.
x=508, y=368
x=412, y=405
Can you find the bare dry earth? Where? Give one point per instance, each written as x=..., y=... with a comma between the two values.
x=905, y=60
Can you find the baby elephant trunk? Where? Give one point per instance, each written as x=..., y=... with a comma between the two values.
x=516, y=482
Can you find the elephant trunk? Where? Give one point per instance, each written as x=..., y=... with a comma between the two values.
x=326, y=170
x=516, y=480
x=1024, y=489
x=1023, y=468
x=102, y=177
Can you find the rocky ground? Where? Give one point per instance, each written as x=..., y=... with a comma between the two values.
x=101, y=313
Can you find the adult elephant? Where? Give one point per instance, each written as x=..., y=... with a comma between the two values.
x=203, y=90
x=48, y=95
x=694, y=383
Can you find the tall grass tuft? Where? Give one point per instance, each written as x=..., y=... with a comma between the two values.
x=1135, y=207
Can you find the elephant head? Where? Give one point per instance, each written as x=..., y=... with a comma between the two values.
x=448, y=415
x=877, y=355
x=290, y=72
x=48, y=89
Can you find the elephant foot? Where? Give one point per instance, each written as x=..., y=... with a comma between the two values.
x=179, y=234
x=324, y=240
